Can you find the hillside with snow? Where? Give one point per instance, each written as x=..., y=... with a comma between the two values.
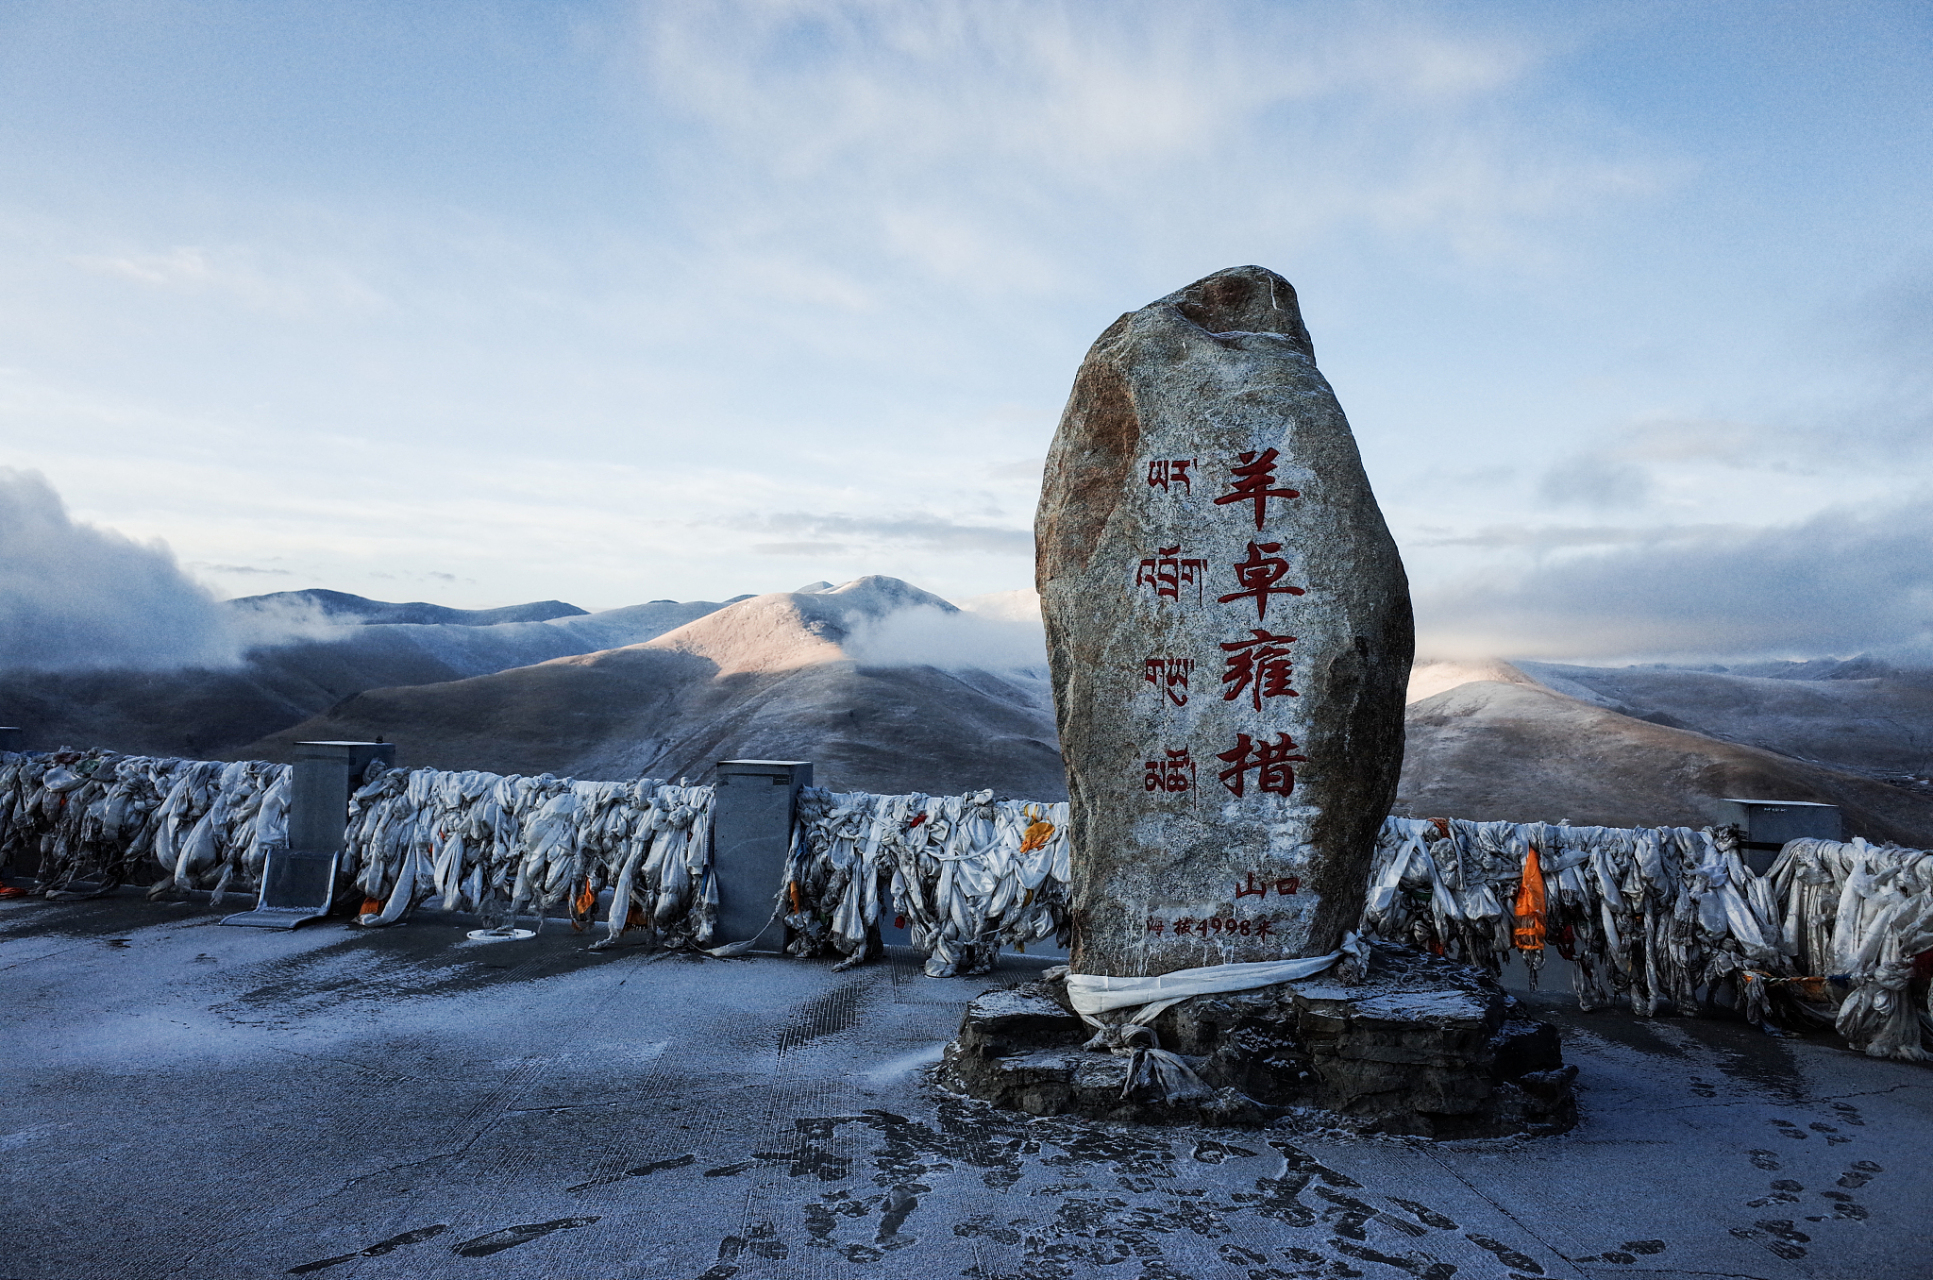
x=886, y=687
x=883, y=686
x=214, y=710
x=1487, y=741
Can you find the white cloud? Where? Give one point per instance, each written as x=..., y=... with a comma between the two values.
x=1839, y=583
x=1595, y=480
x=238, y=274
x=936, y=533
x=77, y=597
x=1022, y=604
x=984, y=140
x=1002, y=638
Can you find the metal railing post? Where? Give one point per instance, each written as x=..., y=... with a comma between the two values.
x=1766, y=825
x=751, y=830
x=299, y=882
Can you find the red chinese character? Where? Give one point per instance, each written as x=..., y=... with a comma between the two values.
x=1258, y=575
x=1174, y=773
x=1252, y=481
x=1186, y=925
x=1265, y=928
x=1252, y=890
x=1170, y=676
x=1271, y=762
x=1163, y=472
x=1288, y=885
x=1167, y=572
x=1260, y=666
x=1154, y=924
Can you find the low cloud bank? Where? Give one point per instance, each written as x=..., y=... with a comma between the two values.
x=77, y=597
x=820, y=535
x=1841, y=583
x=999, y=632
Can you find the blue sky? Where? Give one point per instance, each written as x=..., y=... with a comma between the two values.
x=1630, y=304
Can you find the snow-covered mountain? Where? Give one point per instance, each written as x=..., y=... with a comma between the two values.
x=195, y=711
x=1862, y=714
x=886, y=687
x=340, y=606
x=882, y=686
x=1487, y=740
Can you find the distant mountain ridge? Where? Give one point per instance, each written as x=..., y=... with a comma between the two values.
x=1502, y=745
x=341, y=606
x=787, y=675
x=208, y=713
x=886, y=688
x=1860, y=714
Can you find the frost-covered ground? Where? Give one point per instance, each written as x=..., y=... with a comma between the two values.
x=188, y=1100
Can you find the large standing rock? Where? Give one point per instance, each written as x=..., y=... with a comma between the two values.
x=1228, y=624
x=1229, y=628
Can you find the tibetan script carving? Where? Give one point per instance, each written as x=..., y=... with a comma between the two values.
x=1163, y=472
x=1175, y=771
x=1170, y=574
x=1170, y=676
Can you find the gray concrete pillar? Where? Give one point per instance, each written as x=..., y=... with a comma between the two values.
x=751, y=830
x=12, y=738
x=298, y=883
x=1767, y=825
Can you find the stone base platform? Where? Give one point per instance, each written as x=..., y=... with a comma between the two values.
x=1418, y=1046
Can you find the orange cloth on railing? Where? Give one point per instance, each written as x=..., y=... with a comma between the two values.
x=582, y=907
x=1036, y=836
x=1529, y=932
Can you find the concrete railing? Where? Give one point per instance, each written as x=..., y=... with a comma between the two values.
x=1659, y=918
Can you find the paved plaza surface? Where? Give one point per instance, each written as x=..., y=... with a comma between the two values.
x=186, y=1100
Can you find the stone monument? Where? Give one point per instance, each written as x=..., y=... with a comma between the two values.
x=1228, y=625
x=1229, y=631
